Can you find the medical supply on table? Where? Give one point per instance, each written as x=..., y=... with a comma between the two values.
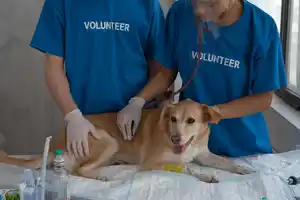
x=57, y=182
x=27, y=187
x=33, y=185
x=174, y=168
x=292, y=180
x=9, y=194
x=59, y=162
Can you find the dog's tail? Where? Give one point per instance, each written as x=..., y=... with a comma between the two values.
x=3, y=156
x=33, y=163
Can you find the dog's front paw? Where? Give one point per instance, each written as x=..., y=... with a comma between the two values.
x=242, y=170
x=102, y=178
x=213, y=180
x=203, y=177
x=207, y=178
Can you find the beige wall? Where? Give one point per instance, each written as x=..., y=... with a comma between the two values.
x=28, y=114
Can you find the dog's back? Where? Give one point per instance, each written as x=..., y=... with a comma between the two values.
x=129, y=151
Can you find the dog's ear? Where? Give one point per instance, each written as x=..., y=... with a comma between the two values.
x=164, y=116
x=211, y=114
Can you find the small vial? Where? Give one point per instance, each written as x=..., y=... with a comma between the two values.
x=29, y=178
x=28, y=186
x=292, y=180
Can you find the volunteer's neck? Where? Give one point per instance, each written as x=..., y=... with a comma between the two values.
x=233, y=14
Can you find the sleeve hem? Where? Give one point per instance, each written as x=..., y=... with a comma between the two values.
x=47, y=50
x=269, y=89
x=164, y=64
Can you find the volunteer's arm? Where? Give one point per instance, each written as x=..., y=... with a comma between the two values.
x=157, y=51
x=161, y=46
x=77, y=126
x=246, y=106
x=57, y=83
x=270, y=63
x=49, y=38
x=158, y=84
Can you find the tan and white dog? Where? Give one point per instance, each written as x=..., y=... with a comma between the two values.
x=175, y=134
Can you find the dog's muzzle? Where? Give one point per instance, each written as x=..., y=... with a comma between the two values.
x=176, y=139
x=177, y=148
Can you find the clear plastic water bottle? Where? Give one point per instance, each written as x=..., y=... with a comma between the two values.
x=59, y=162
x=57, y=180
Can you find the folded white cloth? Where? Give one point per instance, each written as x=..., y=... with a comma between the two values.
x=157, y=185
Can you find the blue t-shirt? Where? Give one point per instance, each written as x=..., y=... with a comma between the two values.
x=105, y=45
x=245, y=59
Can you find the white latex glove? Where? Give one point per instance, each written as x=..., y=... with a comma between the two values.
x=129, y=117
x=78, y=128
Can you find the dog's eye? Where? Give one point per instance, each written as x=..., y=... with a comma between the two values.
x=173, y=119
x=190, y=120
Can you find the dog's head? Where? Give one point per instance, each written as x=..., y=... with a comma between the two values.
x=186, y=121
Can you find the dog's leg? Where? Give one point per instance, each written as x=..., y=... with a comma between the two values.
x=202, y=177
x=211, y=160
x=100, y=155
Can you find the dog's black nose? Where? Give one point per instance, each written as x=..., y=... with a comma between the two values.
x=176, y=139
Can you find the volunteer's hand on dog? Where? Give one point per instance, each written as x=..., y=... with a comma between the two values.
x=215, y=114
x=129, y=117
x=78, y=128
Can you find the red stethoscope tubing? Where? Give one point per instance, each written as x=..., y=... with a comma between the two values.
x=199, y=41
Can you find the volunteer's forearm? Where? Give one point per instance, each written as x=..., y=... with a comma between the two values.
x=246, y=106
x=58, y=85
x=158, y=84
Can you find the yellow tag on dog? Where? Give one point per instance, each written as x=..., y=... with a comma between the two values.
x=173, y=168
